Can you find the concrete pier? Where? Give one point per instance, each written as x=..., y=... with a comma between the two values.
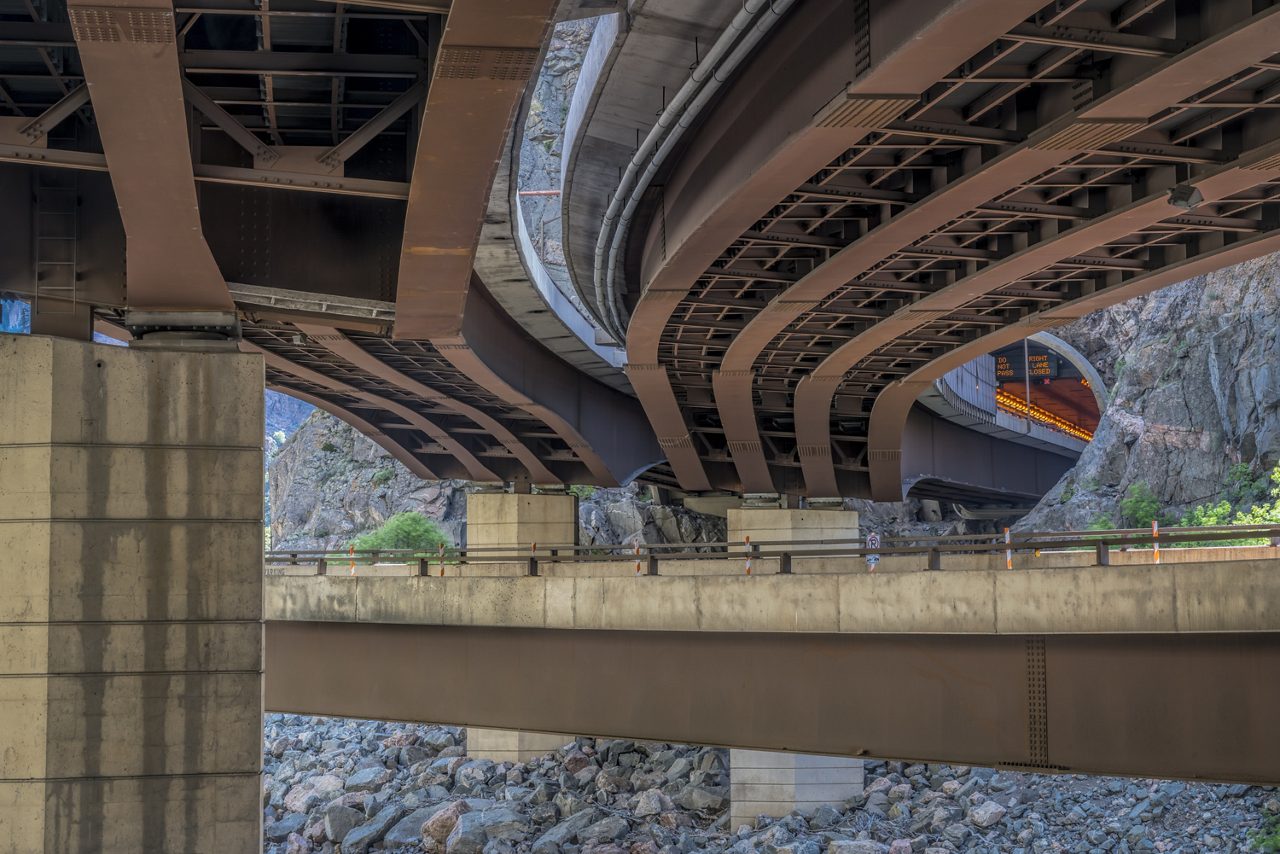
x=509, y=745
x=130, y=598
x=514, y=522
x=763, y=782
x=783, y=525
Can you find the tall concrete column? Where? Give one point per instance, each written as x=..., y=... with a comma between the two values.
x=768, y=783
x=765, y=782
x=130, y=598
x=513, y=522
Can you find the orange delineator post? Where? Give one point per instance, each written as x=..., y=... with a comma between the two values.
x=637, y=554
x=747, y=539
x=1155, y=538
x=351, y=553
x=1008, y=552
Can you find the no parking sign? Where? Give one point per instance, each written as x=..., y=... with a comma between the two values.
x=873, y=542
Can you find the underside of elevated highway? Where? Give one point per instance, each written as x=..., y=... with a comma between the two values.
x=798, y=240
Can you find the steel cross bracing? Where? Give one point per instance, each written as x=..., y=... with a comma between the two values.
x=882, y=260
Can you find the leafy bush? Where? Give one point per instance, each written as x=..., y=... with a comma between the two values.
x=382, y=477
x=1245, y=504
x=1139, y=507
x=1068, y=492
x=409, y=530
x=1267, y=838
x=328, y=447
x=1102, y=522
x=583, y=492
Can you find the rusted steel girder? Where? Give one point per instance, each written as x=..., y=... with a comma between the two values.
x=487, y=53
x=792, y=112
x=893, y=405
x=1198, y=706
x=1108, y=120
x=130, y=57
x=470, y=466
x=340, y=345
x=604, y=428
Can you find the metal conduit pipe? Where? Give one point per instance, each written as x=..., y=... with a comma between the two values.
x=752, y=23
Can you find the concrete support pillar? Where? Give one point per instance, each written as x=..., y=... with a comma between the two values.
x=773, y=784
x=130, y=599
x=513, y=521
x=509, y=745
x=772, y=524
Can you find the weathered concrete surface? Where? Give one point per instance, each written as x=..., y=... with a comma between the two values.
x=783, y=525
x=765, y=782
x=1210, y=596
x=509, y=745
x=130, y=642
x=513, y=521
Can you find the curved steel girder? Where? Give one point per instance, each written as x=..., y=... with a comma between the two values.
x=1128, y=108
x=813, y=397
x=340, y=345
x=777, y=126
x=894, y=404
x=936, y=449
x=604, y=428
x=487, y=52
x=365, y=428
x=130, y=58
x=470, y=466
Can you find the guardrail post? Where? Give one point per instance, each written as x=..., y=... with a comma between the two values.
x=424, y=566
x=1103, y=553
x=935, y=560
x=653, y=564
x=784, y=563
x=533, y=564
x=1275, y=541
x=293, y=558
x=322, y=567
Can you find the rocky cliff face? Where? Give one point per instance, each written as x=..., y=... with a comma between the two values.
x=1194, y=375
x=328, y=484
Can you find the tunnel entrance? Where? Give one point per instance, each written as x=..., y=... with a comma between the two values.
x=1038, y=383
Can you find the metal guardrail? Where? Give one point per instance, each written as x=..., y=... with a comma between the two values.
x=648, y=555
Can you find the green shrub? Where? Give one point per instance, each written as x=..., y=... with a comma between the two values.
x=1139, y=507
x=1267, y=838
x=583, y=492
x=328, y=447
x=409, y=530
x=1068, y=492
x=1102, y=522
x=382, y=477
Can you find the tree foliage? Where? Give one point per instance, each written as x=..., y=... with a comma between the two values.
x=408, y=530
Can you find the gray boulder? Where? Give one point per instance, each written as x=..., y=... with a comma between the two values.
x=359, y=840
x=340, y=820
x=408, y=830
x=278, y=831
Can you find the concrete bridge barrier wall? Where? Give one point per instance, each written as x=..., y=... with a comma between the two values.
x=1210, y=596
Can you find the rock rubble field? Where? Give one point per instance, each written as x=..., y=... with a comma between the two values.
x=344, y=787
